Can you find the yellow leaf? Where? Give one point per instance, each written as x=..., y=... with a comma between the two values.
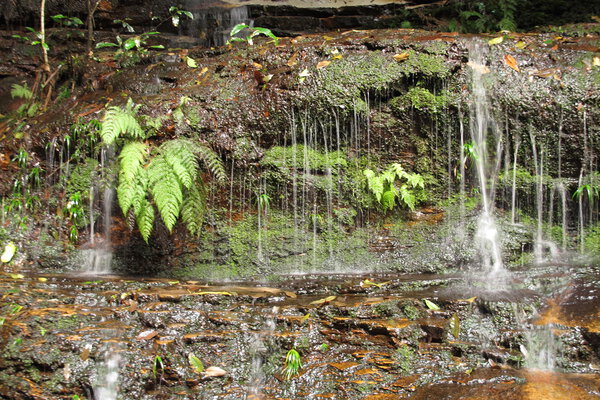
x=511, y=62
x=305, y=317
x=323, y=301
x=323, y=64
x=327, y=37
x=402, y=56
x=17, y=276
x=337, y=57
x=42, y=279
x=596, y=62
x=497, y=40
x=469, y=300
x=257, y=65
x=203, y=71
x=521, y=45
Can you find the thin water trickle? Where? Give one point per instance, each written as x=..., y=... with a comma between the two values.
x=482, y=125
x=107, y=381
x=98, y=255
x=541, y=348
x=260, y=352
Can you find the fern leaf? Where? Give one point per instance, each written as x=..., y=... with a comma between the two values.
x=117, y=122
x=212, y=161
x=166, y=190
x=131, y=160
x=192, y=211
x=145, y=219
x=397, y=169
x=376, y=185
x=21, y=91
x=407, y=197
x=182, y=160
x=132, y=193
x=388, y=199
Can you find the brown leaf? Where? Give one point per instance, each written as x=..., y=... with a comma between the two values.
x=293, y=60
x=146, y=335
x=511, y=62
x=402, y=56
x=323, y=64
x=85, y=354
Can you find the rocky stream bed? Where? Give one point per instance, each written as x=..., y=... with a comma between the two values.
x=374, y=336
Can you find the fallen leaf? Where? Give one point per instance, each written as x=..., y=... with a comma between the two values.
x=16, y=276
x=257, y=65
x=431, y=305
x=293, y=60
x=323, y=64
x=203, y=71
x=85, y=354
x=323, y=301
x=9, y=252
x=146, y=335
x=219, y=293
x=496, y=40
x=195, y=363
x=455, y=325
x=43, y=279
x=596, y=62
x=191, y=62
x=521, y=45
x=327, y=37
x=214, y=372
x=469, y=300
x=402, y=56
x=511, y=62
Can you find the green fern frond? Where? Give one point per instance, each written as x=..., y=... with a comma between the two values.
x=211, y=160
x=21, y=91
x=131, y=160
x=179, y=155
x=376, y=185
x=166, y=190
x=132, y=193
x=145, y=219
x=407, y=197
x=192, y=211
x=388, y=199
x=116, y=122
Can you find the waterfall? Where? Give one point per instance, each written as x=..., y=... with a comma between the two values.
x=481, y=125
x=98, y=256
x=211, y=26
x=259, y=351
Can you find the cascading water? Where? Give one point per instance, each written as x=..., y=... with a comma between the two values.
x=482, y=125
x=211, y=26
x=259, y=351
x=98, y=257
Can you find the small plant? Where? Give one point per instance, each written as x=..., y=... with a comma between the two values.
x=130, y=50
x=124, y=24
x=383, y=186
x=29, y=108
x=292, y=364
x=177, y=13
x=74, y=212
x=253, y=31
x=156, y=364
x=264, y=201
x=38, y=36
x=588, y=190
x=405, y=357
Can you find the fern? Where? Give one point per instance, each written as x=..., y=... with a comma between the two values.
x=383, y=186
x=145, y=219
x=212, y=161
x=118, y=121
x=509, y=9
x=192, y=211
x=166, y=190
x=21, y=91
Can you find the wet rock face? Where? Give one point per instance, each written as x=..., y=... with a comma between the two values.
x=357, y=336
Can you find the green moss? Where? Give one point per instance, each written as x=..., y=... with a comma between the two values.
x=301, y=157
x=343, y=82
x=421, y=99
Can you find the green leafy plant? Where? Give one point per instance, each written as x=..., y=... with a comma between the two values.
x=385, y=189
x=177, y=13
x=29, y=108
x=124, y=24
x=74, y=213
x=129, y=51
x=588, y=190
x=292, y=364
x=63, y=20
x=253, y=32
x=165, y=177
